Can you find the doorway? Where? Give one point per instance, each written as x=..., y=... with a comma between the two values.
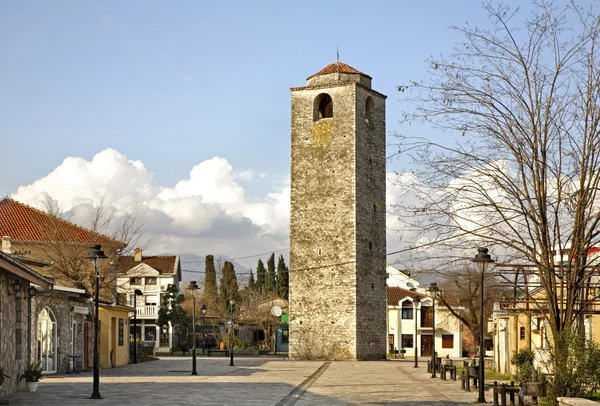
x=426, y=345
x=47, y=339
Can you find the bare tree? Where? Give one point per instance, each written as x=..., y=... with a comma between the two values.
x=461, y=297
x=523, y=174
x=119, y=233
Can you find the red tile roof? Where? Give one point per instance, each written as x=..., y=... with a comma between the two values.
x=163, y=264
x=24, y=223
x=337, y=67
x=396, y=294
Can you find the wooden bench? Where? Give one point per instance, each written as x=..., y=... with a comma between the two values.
x=503, y=390
x=465, y=381
x=448, y=368
x=211, y=351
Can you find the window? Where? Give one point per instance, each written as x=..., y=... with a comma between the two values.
x=368, y=109
x=285, y=336
x=426, y=316
x=121, y=331
x=407, y=341
x=135, y=281
x=151, y=281
x=407, y=310
x=323, y=107
x=447, y=340
x=522, y=333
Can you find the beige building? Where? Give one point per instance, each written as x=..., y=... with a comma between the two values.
x=114, y=337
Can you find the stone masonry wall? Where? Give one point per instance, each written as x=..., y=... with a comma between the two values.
x=370, y=226
x=333, y=306
x=11, y=360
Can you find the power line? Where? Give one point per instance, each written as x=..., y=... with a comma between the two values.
x=235, y=259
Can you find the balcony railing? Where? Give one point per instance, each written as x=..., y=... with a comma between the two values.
x=150, y=310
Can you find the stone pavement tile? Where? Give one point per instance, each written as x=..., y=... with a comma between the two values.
x=252, y=381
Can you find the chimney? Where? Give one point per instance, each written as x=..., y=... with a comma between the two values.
x=6, y=244
x=137, y=254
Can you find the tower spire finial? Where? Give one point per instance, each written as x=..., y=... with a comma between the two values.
x=338, y=53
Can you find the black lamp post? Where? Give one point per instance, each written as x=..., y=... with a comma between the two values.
x=97, y=255
x=433, y=289
x=135, y=346
x=482, y=260
x=231, y=307
x=193, y=288
x=416, y=302
x=203, y=310
x=32, y=291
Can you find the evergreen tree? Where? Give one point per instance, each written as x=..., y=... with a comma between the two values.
x=261, y=274
x=251, y=282
x=171, y=311
x=270, y=280
x=210, y=284
x=283, y=279
x=229, y=285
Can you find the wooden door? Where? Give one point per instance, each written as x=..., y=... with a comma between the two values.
x=426, y=345
x=390, y=343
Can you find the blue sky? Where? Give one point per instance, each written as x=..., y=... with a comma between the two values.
x=175, y=83
x=155, y=89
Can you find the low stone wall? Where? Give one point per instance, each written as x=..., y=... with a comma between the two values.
x=245, y=352
x=576, y=402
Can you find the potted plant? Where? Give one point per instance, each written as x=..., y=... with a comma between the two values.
x=3, y=375
x=32, y=374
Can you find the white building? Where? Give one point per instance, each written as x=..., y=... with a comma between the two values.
x=402, y=292
x=150, y=275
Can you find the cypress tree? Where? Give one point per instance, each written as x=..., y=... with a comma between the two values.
x=229, y=285
x=211, y=295
x=283, y=278
x=270, y=280
x=251, y=282
x=261, y=274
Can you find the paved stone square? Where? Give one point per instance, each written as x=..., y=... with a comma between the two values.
x=254, y=381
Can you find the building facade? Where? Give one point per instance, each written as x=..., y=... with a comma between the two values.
x=16, y=318
x=337, y=221
x=150, y=276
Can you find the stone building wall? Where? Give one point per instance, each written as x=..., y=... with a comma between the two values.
x=337, y=286
x=370, y=226
x=70, y=327
x=11, y=333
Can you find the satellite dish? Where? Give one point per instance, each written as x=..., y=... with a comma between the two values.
x=276, y=311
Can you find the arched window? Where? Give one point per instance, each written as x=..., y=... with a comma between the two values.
x=368, y=110
x=47, y=339
x=323, y=106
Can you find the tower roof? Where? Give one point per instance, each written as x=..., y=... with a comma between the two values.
x=338, y=67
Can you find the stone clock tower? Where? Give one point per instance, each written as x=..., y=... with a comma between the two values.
x=337, y=225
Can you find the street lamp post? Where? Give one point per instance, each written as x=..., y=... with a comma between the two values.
x=433, y=289
x=203, y=310
x=231, y=307
x=482, y=260
x=136, y=293
x=194, y=287
x=97, y=255
x=416, y=302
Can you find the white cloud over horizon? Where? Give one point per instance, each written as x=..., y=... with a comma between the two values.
x=209, y=212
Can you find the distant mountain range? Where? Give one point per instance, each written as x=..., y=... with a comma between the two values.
x=192, y=267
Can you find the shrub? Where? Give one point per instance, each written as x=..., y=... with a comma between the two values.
x=523, y=360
